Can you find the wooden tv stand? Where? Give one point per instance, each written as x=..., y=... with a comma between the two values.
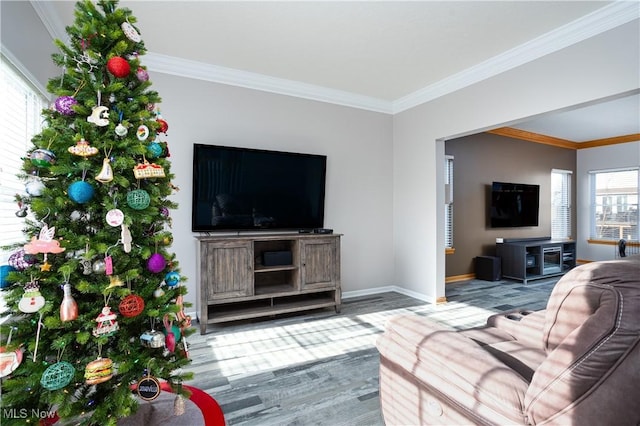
x=532, y=259
x=235, y=284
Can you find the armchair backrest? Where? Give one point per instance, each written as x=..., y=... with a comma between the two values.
x=592, y=325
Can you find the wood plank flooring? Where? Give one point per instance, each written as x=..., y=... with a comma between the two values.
x=321, y=368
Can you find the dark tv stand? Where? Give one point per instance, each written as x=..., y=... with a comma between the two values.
x=532, y=258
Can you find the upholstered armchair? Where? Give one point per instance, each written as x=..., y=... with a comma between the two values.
x=575, y=363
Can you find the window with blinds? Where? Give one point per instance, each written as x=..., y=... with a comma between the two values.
x=448, y=200
x=560, y=204
x=20, y=120
x=614, y=204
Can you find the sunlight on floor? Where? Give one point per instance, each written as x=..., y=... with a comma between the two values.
x=286, y=345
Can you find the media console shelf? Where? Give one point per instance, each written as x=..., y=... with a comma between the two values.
x=242, y=277
x=533, y=259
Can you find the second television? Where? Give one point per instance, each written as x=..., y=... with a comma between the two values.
x=252, y=189
x=514, y=205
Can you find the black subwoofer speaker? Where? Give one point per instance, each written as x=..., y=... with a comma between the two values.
x=277, y=258
x=488, y=268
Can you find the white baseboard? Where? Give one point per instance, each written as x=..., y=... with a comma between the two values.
x=386, y=289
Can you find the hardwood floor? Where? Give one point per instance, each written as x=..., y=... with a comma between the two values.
x=321, y=368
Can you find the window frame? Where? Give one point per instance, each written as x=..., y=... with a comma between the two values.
x=448, y=202
x=561, y=207
x=596, y=208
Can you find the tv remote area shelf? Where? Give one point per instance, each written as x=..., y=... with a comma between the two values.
x=234, y=283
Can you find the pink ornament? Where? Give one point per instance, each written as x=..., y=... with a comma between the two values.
x=156, y=263
x=142, y=74
x=45, y=243
x=68, y=307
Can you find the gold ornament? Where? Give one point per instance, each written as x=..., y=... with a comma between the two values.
x=83, y=149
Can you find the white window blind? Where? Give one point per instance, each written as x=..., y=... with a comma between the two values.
x=20, y=120
x=614, y=204
x=448, y=200
x=560, y=204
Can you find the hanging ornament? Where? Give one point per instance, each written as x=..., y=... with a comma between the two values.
x=80, y=192
x=35, y=187
x=148, y=388
x=156, y=263
x=68, y=307
x=31, y=300
x=172, y=279
x=154, y=149
x=99, y=266
x=82, y=149
x=106, y=323
x=64, y=105
x=131, y=305
x=114, y=281
x=44, y=243
x=164, y=126
x=148, y=170
x=118, y=66
x=5, y=270
x=115, y=217
x=121, y=130
x=152, y=338
x=142, y=74
x=98, y=371
x=158, y=292
x=20, y=260
x=183, y=319
x=99, y=116
x=138, y=199
x=42, y=157
x=130, y=32
x=22, y=210
x=127, y=239
x=57, y=376
x=9, y=360
x=86, y=266
x=142, y=133
x=106, y=173
x=171, y=333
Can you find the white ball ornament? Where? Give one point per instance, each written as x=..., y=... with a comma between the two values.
x=35, y=187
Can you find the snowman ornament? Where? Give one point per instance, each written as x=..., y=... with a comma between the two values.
x=31, y=300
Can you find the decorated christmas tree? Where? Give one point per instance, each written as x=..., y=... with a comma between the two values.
x=95, y=294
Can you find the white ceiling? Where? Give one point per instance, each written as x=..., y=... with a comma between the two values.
x=383, y=54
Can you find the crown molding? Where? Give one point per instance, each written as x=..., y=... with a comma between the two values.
x=525, y=135
x=599, y=21
x=510, y=132
x=50, y=19
x=233, y=77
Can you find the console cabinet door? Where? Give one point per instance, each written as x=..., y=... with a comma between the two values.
x=320, y=263
x=228, y=270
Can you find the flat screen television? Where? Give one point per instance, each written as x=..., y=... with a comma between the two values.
x=514, y=205
x=253, y=189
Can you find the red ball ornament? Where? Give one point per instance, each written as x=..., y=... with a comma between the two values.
x=156, y=263
x=118, y=66
x=164, y=126
x=131, y=306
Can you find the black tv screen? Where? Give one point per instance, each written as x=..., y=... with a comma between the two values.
x=514, y=205
x=252, y=189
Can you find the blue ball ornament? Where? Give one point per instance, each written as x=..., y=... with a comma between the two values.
x=172, y=279
x=154, y=149
x=80, y=192
x=4, y=274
